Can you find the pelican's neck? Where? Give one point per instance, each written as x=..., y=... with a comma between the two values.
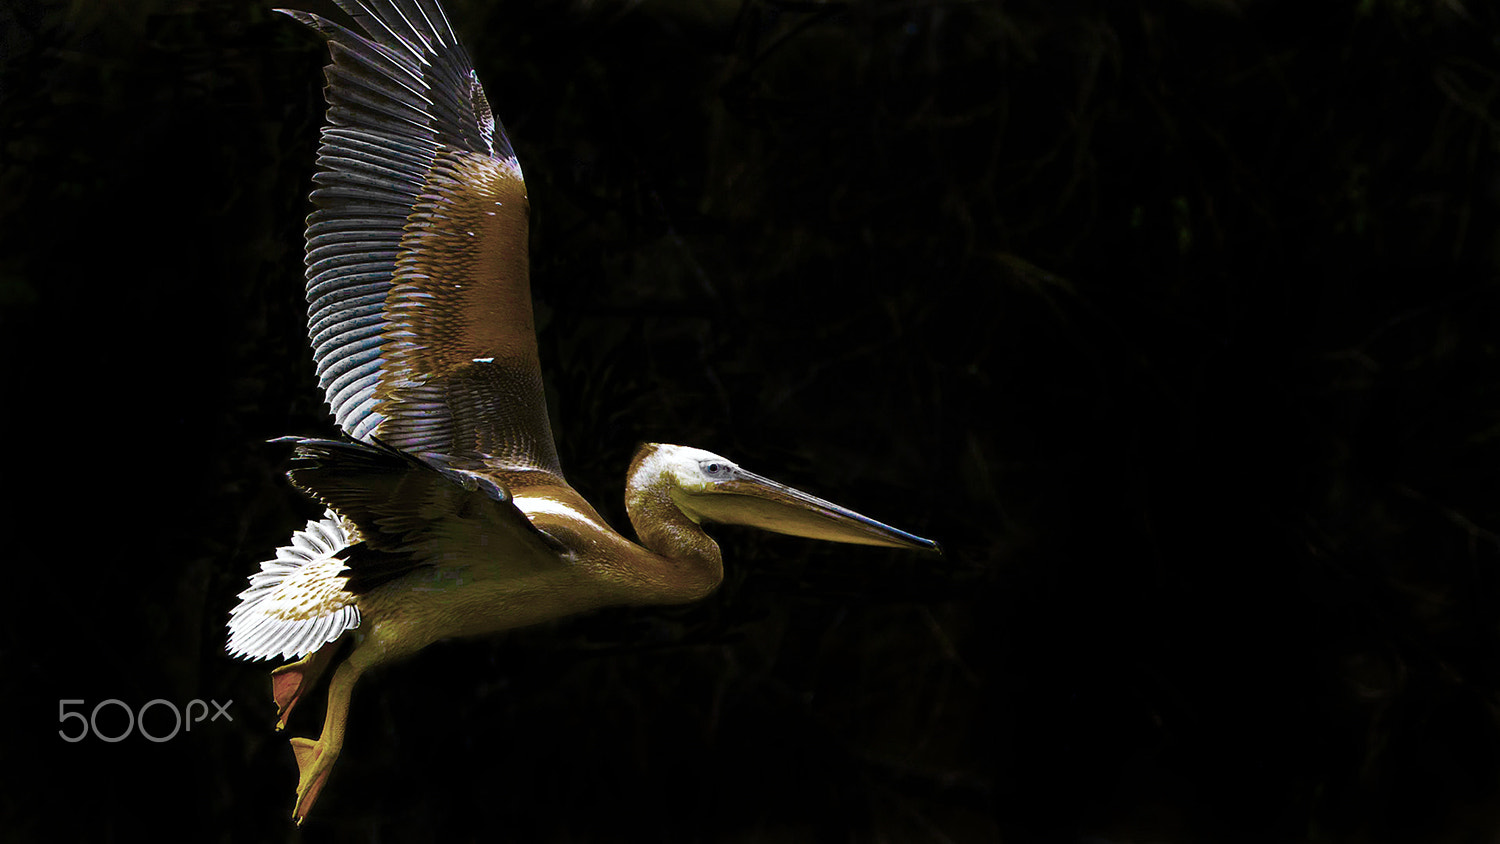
x=664, y=529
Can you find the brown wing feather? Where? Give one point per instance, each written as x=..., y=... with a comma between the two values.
x=419, y=297
x=461, y=347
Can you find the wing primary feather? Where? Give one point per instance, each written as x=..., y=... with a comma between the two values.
x=378, y=68
x=415, y=149
x=333, y=367
x=351, y=324
x=357, y=387
x=349, y=303
x=382, y=28
x=346, y=282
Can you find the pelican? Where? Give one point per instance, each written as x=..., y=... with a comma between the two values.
x=446, y=512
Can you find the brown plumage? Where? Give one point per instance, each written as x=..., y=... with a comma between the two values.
x=447, y=512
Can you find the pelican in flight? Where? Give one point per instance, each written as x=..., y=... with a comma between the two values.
x=447, y=513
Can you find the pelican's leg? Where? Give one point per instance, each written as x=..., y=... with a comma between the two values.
x=291, y=681
x=315, y=758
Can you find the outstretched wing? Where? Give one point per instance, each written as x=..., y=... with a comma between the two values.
x=417, y=275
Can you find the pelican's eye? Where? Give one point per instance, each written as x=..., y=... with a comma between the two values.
x=715, y=469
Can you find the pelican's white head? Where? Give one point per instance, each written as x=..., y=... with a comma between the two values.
x=709, y=488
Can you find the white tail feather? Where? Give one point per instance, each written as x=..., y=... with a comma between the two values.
x=297, y=602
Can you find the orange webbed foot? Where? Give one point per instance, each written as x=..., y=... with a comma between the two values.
x=293, y=680
x=314, y=766
x=286, y=688
x=315, y=758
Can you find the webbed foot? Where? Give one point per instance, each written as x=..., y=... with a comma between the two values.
x=314, y=766
x=293, y=680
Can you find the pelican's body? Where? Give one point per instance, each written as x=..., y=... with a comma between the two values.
x=447, y=512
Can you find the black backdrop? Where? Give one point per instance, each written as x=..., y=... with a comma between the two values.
x=1176, y=322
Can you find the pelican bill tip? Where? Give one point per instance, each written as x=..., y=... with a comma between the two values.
x=912, y=542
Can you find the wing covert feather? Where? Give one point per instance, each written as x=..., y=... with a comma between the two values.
x=404, y=506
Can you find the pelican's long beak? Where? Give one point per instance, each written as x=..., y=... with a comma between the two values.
x=749, y=499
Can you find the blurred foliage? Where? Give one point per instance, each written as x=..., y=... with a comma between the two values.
x=1175, y=321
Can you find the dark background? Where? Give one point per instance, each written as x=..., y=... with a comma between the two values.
x=1176, y=322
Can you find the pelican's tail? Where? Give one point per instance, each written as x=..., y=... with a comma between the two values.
x=297, y=602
